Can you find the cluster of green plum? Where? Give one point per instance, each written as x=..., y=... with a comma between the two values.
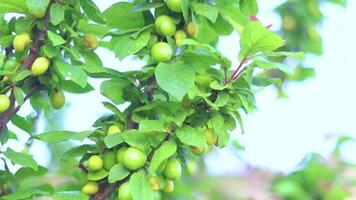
x=133, y=159
x=40, y=65
x=165, y=26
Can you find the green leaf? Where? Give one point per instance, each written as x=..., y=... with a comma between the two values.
x=257, y=38
x=61, y=136
x=13, y=6
x=147, y=6
x=136, y=139
x=114, y=89
x=206, y=10
x=268, y=65
x=72, y=72
x=249, y=7
x=151, y=125
x=21, y=75
x=218, y=124
x=113, y=140
x=37, y=7
x=185, y=10
x=92, y=11
x=140, y=187
x=51, y=51
x=119, y=16
x=70, y=195
x=97, y=175
x=55, y=39
x=24, y=194
x=21, y=159
x=78, y=151
x=263, y=81
x=25, y=124
x=165, y=151
x=57, y=13
x=22, y=25
x=19, y=95
x=295, y=55
x=125, y=45
x=191, y=136
x=175, y=78
x=117, y=173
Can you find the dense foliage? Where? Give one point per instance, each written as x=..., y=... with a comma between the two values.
x=187, y=99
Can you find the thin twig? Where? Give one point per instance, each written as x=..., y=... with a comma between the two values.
x=234, y=75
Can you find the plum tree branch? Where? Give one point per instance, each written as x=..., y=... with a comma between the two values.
x=34, y=51
x=106, y=189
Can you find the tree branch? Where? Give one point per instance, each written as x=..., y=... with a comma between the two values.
x=106, y=189
x=34, y=51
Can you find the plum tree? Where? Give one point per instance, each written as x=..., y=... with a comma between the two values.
x=160, y=109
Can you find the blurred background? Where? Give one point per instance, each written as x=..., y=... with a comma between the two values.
x=297, y=145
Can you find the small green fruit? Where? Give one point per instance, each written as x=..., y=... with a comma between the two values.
x=161, y=52
x=58, y=99
x=192, y=29
x=179, y=36
x=154, y=183
x=21, y=42
x=120, y=154
x=173, y=170
x=134, y=158
x=4, y=103
x=91, y=41
x=169, y=187
x=199, y=150
x=109, y=160
x=113, y=129
x=192, y=167
x=90, y=188
x=165, y=26
x=174, y=5
x=40, y=66
x=288, y=23
x=124, y=192
x=95, y=163
x=210, y=136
